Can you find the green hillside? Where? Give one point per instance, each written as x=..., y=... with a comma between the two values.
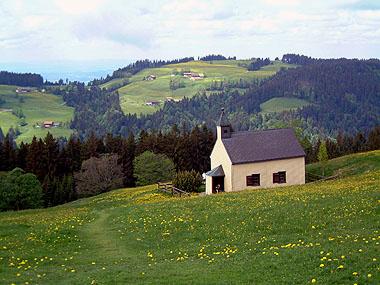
x=280, y=104
x=322, y=233
x=134, y=96
x=36, y=107
x=348, y=165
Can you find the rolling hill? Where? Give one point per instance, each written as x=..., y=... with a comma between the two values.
x=322, y=233
x=348, y=165
x=135, y=95
x=37, y=107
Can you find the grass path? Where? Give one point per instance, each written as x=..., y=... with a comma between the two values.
x=99, y=235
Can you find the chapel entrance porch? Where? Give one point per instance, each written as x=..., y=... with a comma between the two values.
x=217, y=184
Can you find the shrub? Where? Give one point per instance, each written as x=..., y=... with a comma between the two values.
x=150, y=168
x=189, y=181
x=99, y=175
x=20, y=190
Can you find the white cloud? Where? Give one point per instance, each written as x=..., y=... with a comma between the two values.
x=98, y=29
x=78, y=7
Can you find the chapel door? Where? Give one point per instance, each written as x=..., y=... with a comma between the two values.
x=218, y=184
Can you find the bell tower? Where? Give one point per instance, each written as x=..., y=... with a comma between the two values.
x=223, y=127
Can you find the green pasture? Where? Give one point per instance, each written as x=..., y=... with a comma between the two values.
x=37, y=107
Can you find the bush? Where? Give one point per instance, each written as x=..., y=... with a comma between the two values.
x=189, y=181
x=150, y=168
x=20, y=191
x=99, y=175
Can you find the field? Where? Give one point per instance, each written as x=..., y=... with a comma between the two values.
x=134, y=96
x=36, y=107
x=348, y=165
x=280, y=104
x=319, y=233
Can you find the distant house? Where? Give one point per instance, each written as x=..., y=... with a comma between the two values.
x=193, y=75
x=23, y=90
x=150, y=77
x=48, y=124
x=250, y=160
x=152, y=103
x=171, y=99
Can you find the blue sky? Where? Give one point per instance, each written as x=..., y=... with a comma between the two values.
x=56, y=31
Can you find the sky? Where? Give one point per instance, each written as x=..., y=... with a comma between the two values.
x=62, y=33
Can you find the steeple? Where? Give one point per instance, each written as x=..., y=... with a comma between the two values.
x=223, y=127
x=223, y=120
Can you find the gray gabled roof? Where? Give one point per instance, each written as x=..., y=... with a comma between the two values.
x=247, y=147
x=216, y=172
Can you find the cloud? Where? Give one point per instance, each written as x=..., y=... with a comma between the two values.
x=97, y=29
x=282, y=2
x=75, y=7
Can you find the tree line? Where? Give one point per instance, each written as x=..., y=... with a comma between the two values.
x=58, y=162
x=136, y=67
x=259, y=63
x=21, y=79
x=212, y=57
x=344, y=144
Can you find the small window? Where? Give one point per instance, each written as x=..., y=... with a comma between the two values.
x=225, y=131
x=279, y=177
x=253, y=180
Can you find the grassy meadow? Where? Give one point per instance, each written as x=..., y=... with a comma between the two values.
x=280, y=104
x=348, y=165
x=134, y=95
x=319, y=233
x=37, y=107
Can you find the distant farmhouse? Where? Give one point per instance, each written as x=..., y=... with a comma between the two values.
x=23, y=90
x=256, y=159
x=171, y=99
x=50, y=124
x=193, y=75
x=150, y=77
x=152, y=103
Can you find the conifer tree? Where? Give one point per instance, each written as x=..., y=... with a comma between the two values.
x=323, y=156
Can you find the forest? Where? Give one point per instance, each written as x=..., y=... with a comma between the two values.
x=21, y=79
x=258, y=63
x=55, y=161
x=212, y=57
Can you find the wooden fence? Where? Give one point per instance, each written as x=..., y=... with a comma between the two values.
x=170, y=189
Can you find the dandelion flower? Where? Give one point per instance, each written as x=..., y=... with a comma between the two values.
x=313, y=280
x=321, y=265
